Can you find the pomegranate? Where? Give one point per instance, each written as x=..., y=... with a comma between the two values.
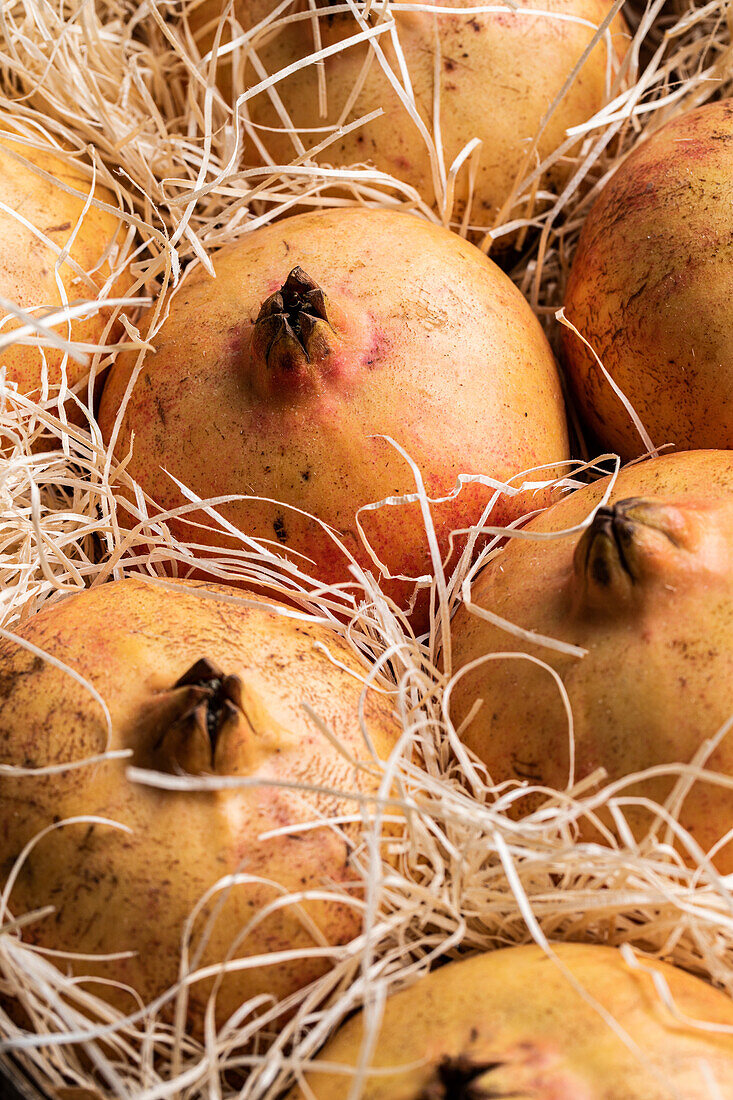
x=647, y=593
x=200, y=685
x=495, y=73
x=650, y=289
x=320, y=336
x=510, y=1023
x=27, y=263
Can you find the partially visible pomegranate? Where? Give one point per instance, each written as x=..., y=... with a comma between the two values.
x=647, y=595
x=490, y=74
x=510, y=1023
x=39, y=220
x=320, y=336
x=650, y=291
x=199, y=685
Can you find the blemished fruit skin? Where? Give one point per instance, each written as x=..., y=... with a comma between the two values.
x=650, y=290
x=118, y=891
x=647, y=591
x=443, y=355
x=511, y=1023
x=27, y=264
x=498, y=72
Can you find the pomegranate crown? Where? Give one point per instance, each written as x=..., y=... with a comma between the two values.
x=196, y=714
x=211, y=723
x=461, y=1078
x=630, y=545
x=293, y=334
x=294, y=310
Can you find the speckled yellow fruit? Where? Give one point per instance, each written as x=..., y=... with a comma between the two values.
x=27, y=263
x=497, y=72
x=651, y=286
x=247, y=672
x=648, y=592
x=510, y=1023
x=284, y=385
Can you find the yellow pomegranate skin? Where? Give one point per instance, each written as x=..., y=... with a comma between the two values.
x=650, y=288
x=647, y=591
x=510, y=1023
x=445, y=357
x=27, y=276
x=497, y=75
x=132, y=891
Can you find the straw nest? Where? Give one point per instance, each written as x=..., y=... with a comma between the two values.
x=119, y=87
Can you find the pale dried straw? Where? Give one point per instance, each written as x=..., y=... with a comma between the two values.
x=121, y=86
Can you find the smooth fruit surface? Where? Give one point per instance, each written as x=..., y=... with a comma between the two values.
x=493, y=75
x=510, y=1023
x=28, y=275
x=650, y=290
x=410, y=333
x=647, y=591
x=195, y=684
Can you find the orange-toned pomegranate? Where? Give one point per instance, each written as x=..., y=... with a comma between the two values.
x=650, y=290
x=490, y=75
x=320, y=336
x=40, y=222
x=646, y=596
x=196, y=685
x=511, y=1023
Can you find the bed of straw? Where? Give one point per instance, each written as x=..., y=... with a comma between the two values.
x=121, y=84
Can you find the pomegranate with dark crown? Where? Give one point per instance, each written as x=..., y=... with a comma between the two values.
x=511, y=1023
x=197, y=684
x=321, y=336
x=647, y=593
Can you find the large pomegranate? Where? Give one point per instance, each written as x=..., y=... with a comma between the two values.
x=320, y=336
x=195, y=684
x=511, y=1023
x=647, y=591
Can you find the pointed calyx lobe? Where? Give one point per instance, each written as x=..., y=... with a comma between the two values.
x=294, y=333
x=210, y=723
x=193, y=722
x=627, y=545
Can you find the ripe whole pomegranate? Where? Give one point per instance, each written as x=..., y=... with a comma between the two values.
x=321, y=338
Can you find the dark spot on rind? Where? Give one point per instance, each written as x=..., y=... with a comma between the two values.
x=280, y=529
x=9, y=680
x=527, y=769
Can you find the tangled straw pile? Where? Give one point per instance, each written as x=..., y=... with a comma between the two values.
x=120, y=85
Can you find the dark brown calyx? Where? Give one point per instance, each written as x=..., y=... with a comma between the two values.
x=605, y=545
x=458, y=1079
x=201, y=710
x=293, y=328
x=627, y=545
